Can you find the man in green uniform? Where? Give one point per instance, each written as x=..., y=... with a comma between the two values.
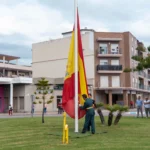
x=90, y=113
x=94, y=106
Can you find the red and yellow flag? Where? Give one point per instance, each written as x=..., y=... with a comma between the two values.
x=69, y=82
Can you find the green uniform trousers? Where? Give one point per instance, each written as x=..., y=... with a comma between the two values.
x=89, y=119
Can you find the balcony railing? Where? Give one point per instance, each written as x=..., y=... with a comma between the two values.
x=141, y=86
x=109, y=67
x=143, y=74
x=105, y=51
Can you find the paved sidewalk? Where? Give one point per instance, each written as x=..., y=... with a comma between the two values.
x=131, y=112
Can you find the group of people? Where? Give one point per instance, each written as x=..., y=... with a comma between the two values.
x=89, y=106
x=140, y=103
x=33, y=108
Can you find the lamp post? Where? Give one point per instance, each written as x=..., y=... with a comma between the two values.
x=32, y=99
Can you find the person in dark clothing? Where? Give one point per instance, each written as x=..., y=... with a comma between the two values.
x=60, y=110
x=90, y=113
x=94, y=106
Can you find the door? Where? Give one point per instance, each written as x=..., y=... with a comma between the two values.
x=15, y=104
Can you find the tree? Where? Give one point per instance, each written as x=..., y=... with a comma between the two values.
x=42, y=93
x=119, y=114
x=143, y=62
x=110, y=115
x=99, y=111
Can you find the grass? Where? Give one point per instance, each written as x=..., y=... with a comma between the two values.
x=30, y=134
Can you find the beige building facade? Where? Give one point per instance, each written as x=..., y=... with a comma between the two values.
x=15, y=85
x=106, y=55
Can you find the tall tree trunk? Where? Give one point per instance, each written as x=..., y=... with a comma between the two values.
x=118, y=117
x=99, y=111
x=110, y=118
x=43, y=109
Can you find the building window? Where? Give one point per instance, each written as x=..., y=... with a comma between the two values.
x=115, y=81
x=58, y=87
x=115, y=62
x=103, y=48
x=104, y=81
x=135, y=43
x=132, y=50
x=133, y=79
x=59, y=100
x=21, y=99
x=114, y=49
x=103, y=62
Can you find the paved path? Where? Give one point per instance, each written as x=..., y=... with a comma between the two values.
x=131, y=112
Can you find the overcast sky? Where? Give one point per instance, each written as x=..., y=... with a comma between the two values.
x=23, y=22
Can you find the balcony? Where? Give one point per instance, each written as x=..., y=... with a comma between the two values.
x=15, y=67
x=104, y=53
x=143, y=74
x=109, y=68
x=141, y=86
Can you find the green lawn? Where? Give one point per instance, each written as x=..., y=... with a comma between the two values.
x=31, y=134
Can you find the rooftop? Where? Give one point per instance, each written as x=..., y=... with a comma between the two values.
x=8, y=57
x=85, y=29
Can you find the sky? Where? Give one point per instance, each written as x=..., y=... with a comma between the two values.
x=23, y=22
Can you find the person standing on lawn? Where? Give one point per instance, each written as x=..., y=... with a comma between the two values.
x=147, y=107
x=90, y=113
x=139, y=104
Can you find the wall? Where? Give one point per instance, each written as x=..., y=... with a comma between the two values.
x=54, y=53
x=2, y=104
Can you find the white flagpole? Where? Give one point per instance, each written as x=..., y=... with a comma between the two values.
x=76, y=67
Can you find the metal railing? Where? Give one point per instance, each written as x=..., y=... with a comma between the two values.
x=106, y=51
x=141, y=86
x=109, y=67
x=143, y=74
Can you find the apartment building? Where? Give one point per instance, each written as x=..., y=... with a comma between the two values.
x=15, y=85
x=106, y=55
x=113, y=52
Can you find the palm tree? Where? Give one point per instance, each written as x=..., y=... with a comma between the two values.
x=99, y=111
x=119, y=114
x=110, y=115
x=42, y=92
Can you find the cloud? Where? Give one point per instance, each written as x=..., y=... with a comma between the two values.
x=31, y=19
x=25, y=22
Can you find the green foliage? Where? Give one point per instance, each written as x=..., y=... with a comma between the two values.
x=35, y=93
x=137, y=58
x=46, y=92
x=51, y=97
x=127, y=70
x=36, y=97
x=50, y=101
x=111, y=108
x=121, y=108
x=99, y=105
x=141, y=48
x=34, y=102
x=51, y=91
x=43, y=88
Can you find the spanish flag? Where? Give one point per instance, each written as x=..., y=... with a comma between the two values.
x=68, y=95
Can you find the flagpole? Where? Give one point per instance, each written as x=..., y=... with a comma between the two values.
x=76, y=67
